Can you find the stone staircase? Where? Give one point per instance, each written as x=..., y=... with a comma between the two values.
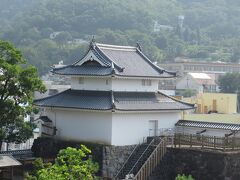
x=138, y=157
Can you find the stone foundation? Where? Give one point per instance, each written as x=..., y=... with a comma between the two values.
x=201, y=164
x=113, y=159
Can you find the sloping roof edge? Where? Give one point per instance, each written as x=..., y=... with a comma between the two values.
x=38, y=102
x=193, y=106
x=211, y=125
x=160, y=70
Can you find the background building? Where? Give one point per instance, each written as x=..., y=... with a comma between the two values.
x=181, y=66
x=200, y=82
x=214, y=102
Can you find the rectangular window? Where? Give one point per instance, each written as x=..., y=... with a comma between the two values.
x=146, y=82
x=107, y=82
x=81, y=81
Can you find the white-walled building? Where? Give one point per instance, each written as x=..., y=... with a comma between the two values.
x=113, y=99
x=201, y=82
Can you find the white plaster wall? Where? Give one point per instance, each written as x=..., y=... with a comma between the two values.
x=131, y=128
x=91, y=84
x=80, y=126
x=133, y=85
x=115, y=84
x=209, y=132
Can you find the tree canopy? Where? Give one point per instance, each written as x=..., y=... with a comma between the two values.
x=184, y=177
x=71, y=163
x=208, y=31
x=18, y=81
x=230, y=83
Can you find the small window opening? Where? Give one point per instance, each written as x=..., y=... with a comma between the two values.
x=81, y=81
x=107, y=82
x=146, y=82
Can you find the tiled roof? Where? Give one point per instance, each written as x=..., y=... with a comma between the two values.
x=106, y=100
x=134, y=62
x=44, y=119
x=119, y=60
x=148, y=101
x=84, y=70
x=93, y=100
x=212, y=125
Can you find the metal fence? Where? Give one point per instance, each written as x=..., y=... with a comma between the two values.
x=152, y=161
x=162, y=132
x=17, y=146
x=203, y=141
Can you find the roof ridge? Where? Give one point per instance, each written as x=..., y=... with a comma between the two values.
x=96, y=51
x=92, y=46
x=89, y=48
x=183, y=120
x=115, y=46
x=153, y=65
x=119, y=68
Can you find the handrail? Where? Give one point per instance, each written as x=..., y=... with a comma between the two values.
x=207, y=141
x=127, y=160
x=152, y=161
x=141, y=155
x=162, y=131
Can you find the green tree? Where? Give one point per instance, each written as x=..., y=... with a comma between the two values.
x=18, y=81
x=62, y=38
x=183, y=177
x=229, y=83
x=189, y=93
x=71, y=163
x=209, y=23
x=161, y=42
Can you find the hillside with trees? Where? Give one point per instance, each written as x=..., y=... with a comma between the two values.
x=199, y=29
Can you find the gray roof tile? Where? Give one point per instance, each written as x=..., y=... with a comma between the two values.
x=148, y=101
x=102, y=100
x=93, y=100
x=124, y=60
x=84, y=70
x=212, y=125
x=134, y=62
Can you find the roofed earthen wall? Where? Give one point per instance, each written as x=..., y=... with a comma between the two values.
x=201, y=164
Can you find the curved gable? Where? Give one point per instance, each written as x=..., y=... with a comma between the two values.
x=90, y=56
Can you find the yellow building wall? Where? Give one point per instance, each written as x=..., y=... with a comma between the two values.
x=221, y=102
x=219, y=118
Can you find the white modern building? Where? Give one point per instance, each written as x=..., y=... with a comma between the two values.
x=201, y=82
x=113, y=99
